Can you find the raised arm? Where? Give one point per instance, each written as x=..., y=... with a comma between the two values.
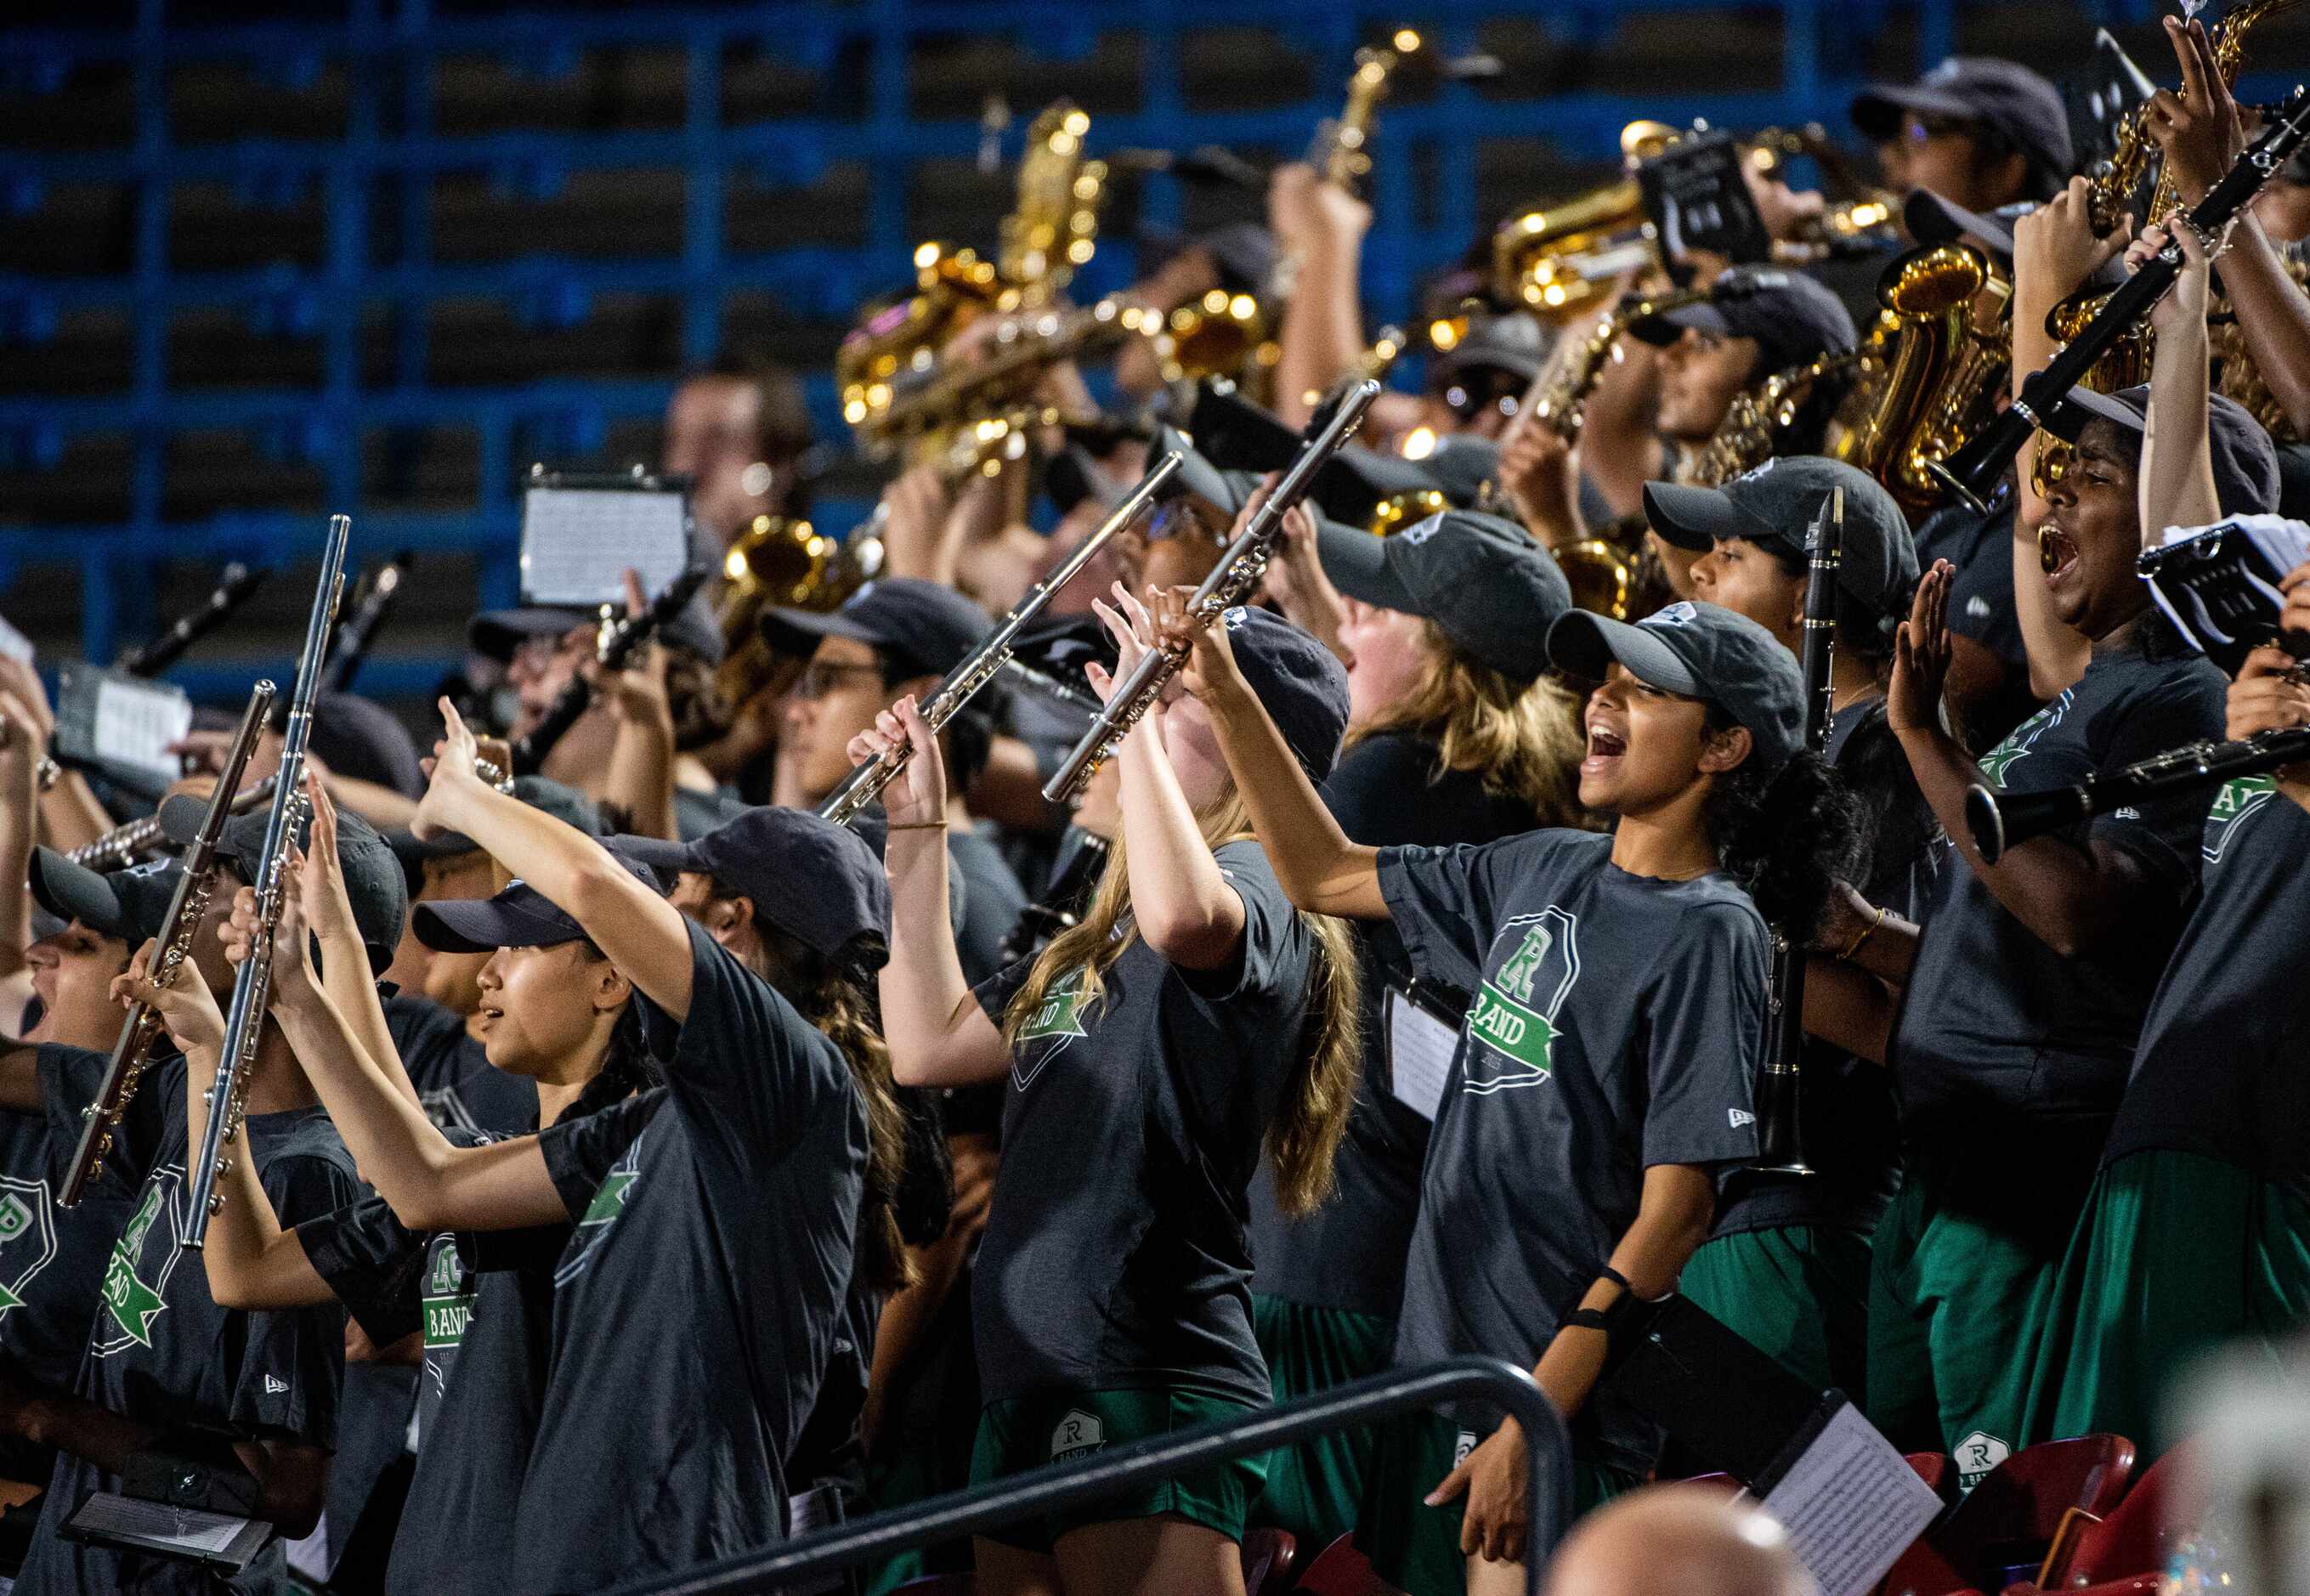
x=2055, y=251
x=2177, y=487
x=1315, y=864
x=642, y=934
x=935, y=1030
x=1182, y=904
x=20, y=797
x=640, y=779
x=1321, y=226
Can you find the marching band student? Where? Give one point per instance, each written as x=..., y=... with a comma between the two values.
x=733, y=1201
x=555, y=1012
x=2197, y=1228
x=167, y=1367
x=1787, y=1265
x=1191, y=1017
x=1979, y=131
x=1457, y=733
x=1603, y=1074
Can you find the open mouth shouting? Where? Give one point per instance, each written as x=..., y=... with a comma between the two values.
x=2057, y=553
x=1605, y=747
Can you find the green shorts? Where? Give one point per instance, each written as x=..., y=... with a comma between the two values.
x=1798, y=1293
x=1416, y=1548
x=1960, y=1298
x=1318, y=1489
x=2175, y=1253
x=1027, y=1432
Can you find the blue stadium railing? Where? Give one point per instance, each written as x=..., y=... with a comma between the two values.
x=802, y=1564
x=323, y=425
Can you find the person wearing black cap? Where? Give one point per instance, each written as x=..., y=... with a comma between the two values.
x=1602, y=1076
x=1978, y=131
x=166, y=1365
x=738, y=428
x=1457, y=733
x=892, y=638
x=1787, y=1265
x=733, y=1201
x=558, y=1014
x=2197, y=1230
x=1477, y=380
x=1190, y=1017
x=2032, y=975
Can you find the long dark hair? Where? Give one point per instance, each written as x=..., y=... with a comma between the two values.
x=627, y=1067
x=1786, y=835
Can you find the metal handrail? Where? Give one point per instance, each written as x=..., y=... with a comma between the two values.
x=1110, y=1473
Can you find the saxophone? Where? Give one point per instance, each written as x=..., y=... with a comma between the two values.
x=1603, y=572
x=2239, y=378
x=1930, y=371
x=1756, y=423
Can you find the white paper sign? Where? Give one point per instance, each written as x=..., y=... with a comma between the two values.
x=578, y=542
x=135, y=725
x=1851, y=1506
x=1419, y=1048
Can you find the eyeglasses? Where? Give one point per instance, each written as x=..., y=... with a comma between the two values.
x=822, y=677
x=1473, y=390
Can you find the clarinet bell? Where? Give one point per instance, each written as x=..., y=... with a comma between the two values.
x=1780, y=1130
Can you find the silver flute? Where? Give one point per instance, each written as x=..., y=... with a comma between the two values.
x=1232, y=581
x=865, y=783
x=285, y=822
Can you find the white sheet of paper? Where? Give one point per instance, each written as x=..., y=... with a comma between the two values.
x=187, y=1528
x=14, y=643
x=1851, y=1506
x=576, y=543
x=1419, y=1048
x=135, y=725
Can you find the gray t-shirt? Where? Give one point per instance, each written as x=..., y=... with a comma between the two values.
x=1617, y=1024
x=1115, y=1256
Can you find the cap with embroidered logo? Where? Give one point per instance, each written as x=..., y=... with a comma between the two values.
x=1775, y=504
x=1697, y=651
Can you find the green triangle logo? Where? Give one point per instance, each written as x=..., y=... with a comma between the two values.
x=134, y=1305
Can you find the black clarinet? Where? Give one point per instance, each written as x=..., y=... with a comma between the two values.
x=1974, y=472
x=1060, y=908
x=2000, y=821
x=620, y=638
x=232, y=591
x=359, y=630
x=1780, y=1084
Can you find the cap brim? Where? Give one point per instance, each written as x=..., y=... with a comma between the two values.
x=497, y=633
x=798, y=631
x=1878, y=112
x=2080, y=406
x=1934, y=220
x=1519, y=362
x=1586, y=644
x=483, y=925
x=667, y=859
x=74, y=892
x=1694, y=518
x=1357, y=563
x=1669, y=326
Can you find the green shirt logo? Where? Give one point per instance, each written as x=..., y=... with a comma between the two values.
x=2239, y=799
x=1514, y=1018
x=28, y=1240
x=132, y=1303
x=2000, y=760
x=449, y=1300
x=1058, y=1021
x=610, y=1198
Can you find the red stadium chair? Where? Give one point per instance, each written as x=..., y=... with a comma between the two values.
x=1933, y=1469
x=1267, y=1558
x=2129, y=1543
x=2014, y=1513
x=1340, y=1570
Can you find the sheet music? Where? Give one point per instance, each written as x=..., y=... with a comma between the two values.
x=187, y=1529
x=576, y=542
x=1420, y=1049
x=135, y=725
x=1851, y=1506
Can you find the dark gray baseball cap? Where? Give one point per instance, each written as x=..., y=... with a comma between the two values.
x=1299, y=682
x=498, y=633
x=1697, y=651
x=1775, y=504
x=927, y=627
x=127, y=904
x=1509, y=339
x=1794, y=318
x=1483, y=581
x=2005, y=96
x=813, y=880
x=520, y=916
x=2244, y=459
x=374, y=884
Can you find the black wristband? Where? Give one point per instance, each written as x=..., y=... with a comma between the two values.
x=1588, y=1319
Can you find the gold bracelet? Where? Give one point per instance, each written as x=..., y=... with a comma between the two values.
x=917, y=826
x=1867, y=932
